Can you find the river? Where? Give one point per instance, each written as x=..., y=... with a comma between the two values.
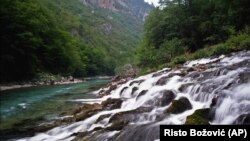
x=25, y=107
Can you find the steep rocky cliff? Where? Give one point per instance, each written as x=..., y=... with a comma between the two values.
x=138, y=8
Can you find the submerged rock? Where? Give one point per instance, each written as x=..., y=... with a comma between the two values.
x=179, y=106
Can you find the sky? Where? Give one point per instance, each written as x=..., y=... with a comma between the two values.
x=155, y=2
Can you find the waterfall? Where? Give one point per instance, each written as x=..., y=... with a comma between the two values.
x=219, y=84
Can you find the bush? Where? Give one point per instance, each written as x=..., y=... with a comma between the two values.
x=179, y=60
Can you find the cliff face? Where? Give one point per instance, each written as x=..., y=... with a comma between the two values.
x=138, y=8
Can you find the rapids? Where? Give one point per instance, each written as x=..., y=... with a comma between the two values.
x=220, y=84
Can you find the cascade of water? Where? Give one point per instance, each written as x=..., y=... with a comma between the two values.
x=215, y=83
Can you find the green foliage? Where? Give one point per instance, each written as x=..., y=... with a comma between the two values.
x=177, y=29
x=63, y=37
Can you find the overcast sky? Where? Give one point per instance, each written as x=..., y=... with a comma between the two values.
x=155, y=2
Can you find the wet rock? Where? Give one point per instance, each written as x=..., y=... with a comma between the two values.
x=129, y=115
x=162, y=80
x=183, y=73
x=136, y=81
x=191, y=69
x=86, y=111
x=183, y=87
x=144, y=132
x=214, y=101
x=143, y=92
x=102, y=117
x=244, y=77
x=243, y=119
x=117, y=125
x=199, y=117
x=110, y=104
x=202, y=67
x=160, y=73
x=167, y=97
x=179, y=106
x=124, y=89
x=134, y=89
x=115, y=82
x=107, y=91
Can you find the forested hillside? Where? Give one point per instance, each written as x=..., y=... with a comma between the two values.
x=65, y=37
x=181, y=30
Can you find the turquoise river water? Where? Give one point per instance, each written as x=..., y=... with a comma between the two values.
x=28, y=106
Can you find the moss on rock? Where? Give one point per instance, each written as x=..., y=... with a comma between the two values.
x=199, y=117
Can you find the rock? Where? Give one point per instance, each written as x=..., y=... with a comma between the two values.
x=163, y=99
x=110, y=104
x=134, y=89
x=129, y=115
x=190, y=69
x=123, y=89
x=243, y=119
x=245, y=77
x=214, y=101
x=136, y=81
x=183, y=87
x=160, y=73
x=167, y=97
x=117, y=125
x=117, y=80
x=102, y=117
x=110, y=88
x=199, y=117
x=143, y=92
x=107, y=28
x=139, y=132
x=179, y=106
x=86, y=111
x=162, y=80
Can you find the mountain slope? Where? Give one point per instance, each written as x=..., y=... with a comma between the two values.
x=74, y=37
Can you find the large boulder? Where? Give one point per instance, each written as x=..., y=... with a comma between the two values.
x=162, y=80
x=179, y=106
x=167, y=97
x=163, y=99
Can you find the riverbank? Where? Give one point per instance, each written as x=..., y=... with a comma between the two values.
x=17, y=85
x=47, y=82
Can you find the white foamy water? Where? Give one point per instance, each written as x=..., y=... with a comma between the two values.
x=220, y=81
